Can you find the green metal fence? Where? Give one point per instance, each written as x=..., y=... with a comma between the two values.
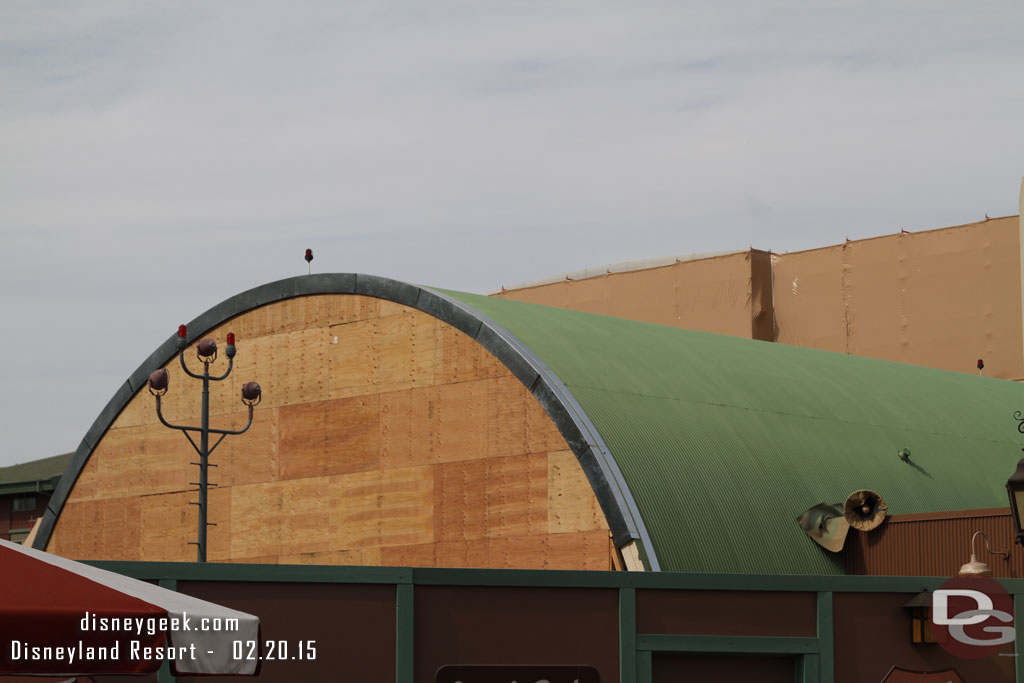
x=814, y=656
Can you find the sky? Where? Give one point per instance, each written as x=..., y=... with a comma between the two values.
x=158, y=158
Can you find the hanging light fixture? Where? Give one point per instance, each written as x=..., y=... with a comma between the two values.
x=974, y=568
x=1015, y=487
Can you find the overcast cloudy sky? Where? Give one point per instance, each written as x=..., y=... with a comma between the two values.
x=157, y=160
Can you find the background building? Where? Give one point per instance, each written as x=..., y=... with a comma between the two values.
x=941, y=298
x=25, y=490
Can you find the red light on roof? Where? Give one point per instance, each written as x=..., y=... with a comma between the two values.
x=981, y=364
x=182, y=331
x=309, y=255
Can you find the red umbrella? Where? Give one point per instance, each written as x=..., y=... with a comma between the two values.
x=58, y=616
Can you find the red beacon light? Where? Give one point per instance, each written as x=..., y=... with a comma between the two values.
x=230, y=350
x=182, y=333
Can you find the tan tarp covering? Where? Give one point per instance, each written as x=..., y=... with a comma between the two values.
x=729, y=294
x=941, y=298
x=938, y=298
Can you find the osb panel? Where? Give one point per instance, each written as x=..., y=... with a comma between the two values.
x=329, y=437
x=168, y=523
x=147, y=460
x=517, y=496
x=386, y=354
x=506, y=417
x=711, y=294
x=353, y=361
x=357, y=556
x=283, y=517
x=291, y=367
x=460, y=501
x=85, y=486
x=571, y=504
x=582, y=550
x=249, y=458
x=458, y=358
x=409, y=556
x=541, y=432
x=99, y=529
x=351, y=308
x=466, y=554
x=299, y=314
x=491, y=498
x=144, y=460
x=278, y=317
x=388, y=308
x=434, y=425
x=402, y=443
x=382, y=508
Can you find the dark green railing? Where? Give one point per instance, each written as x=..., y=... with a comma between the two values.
x=814, y=657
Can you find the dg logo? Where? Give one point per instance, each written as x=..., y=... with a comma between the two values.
x=972, y=617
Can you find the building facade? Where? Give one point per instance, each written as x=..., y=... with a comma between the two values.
x=25, y=490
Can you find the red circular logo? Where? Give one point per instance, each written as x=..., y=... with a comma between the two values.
x=972, y=617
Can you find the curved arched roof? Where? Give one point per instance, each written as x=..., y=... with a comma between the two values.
x=702, y=447
x=724, y=441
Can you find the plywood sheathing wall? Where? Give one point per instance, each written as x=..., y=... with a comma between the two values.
x=941, y=298
x=728, y=294
x=385, y=437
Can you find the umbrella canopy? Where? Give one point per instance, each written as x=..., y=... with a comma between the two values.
x=58, y=616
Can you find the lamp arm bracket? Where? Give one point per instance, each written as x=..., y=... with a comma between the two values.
x=215, y=444
x=165, y=423
x=225, y=432
x=988, y=546
x=231, y=362
x=181, y=357
x=194, y=446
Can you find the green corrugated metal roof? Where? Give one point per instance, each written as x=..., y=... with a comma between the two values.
x=725, y=441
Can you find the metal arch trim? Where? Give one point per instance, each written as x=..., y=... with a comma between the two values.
x=602, y=471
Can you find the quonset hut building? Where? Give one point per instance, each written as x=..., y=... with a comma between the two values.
x=415, y=427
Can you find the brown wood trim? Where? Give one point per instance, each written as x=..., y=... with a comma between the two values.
x=951, y=514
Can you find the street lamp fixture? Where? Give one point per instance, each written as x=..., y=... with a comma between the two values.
x=974, y=568
x=206, y=352
x=1015, y=487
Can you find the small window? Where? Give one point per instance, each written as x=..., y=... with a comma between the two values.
x=24, y=503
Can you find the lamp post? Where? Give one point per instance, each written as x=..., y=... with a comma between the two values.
x=206, y=352
x=1015, y=487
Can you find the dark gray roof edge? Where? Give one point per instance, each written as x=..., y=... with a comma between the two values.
x=602, y=471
